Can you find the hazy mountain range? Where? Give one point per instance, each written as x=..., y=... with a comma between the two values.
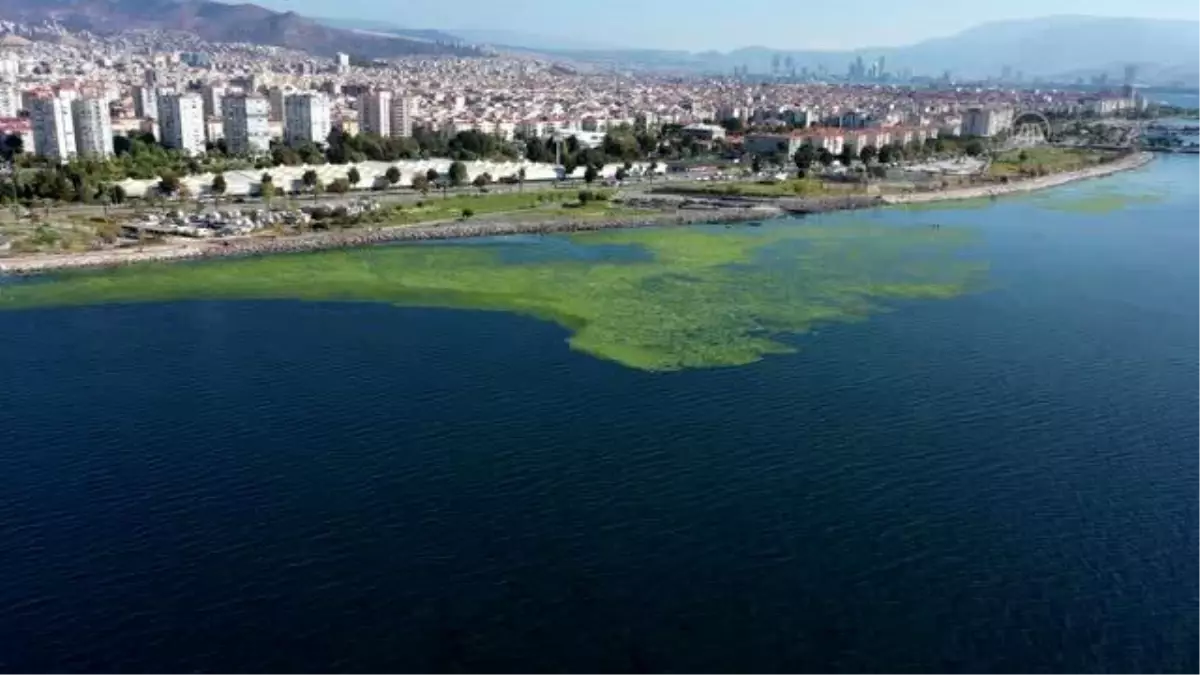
x=1050, y=47
x=220, y=22
x=1166, y=51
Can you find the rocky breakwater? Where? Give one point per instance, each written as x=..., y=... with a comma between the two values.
x=1125, y=163
x=247, y=246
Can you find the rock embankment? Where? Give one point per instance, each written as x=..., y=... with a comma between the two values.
x=365, y=237
x=672, y=210
x=1026, y=185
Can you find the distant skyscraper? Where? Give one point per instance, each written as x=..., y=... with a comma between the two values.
x=53, y=129
x=402, y=114
x=375, y=113
x=1131, y=73
x=306, y=118
x=93, y=127
x=881, y=70
x=181, y=122
x=246, y=127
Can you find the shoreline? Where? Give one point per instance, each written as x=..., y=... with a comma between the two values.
x=714, y=214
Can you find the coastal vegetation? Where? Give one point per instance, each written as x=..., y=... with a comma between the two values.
x=1042, y=161
x=795, y=187
x=652, y=299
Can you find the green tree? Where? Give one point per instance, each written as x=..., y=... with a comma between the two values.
x=339, y=186
x=867, y=154
x=266, y=188
x=393, y=175
x=521, y=179
x=804, y=157
x=309, y=178
x=590, y=174
x=481, y=181
x=218, y=187
x=12, y=146
x=974, y=147
x=353, y=177
x=887, y=154
x=168, y=183
x=432, y=175
x=825, y=157
x=116, y=194
x=458, y=173
x=621, y=174
x=846, y=157
x=420, y=183
x=756, y=164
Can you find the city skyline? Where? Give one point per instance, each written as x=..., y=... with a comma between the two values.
x=665, y=24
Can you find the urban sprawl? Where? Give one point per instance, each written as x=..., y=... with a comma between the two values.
x=86, y=96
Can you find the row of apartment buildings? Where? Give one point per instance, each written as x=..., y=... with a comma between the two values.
x=63, y=125
x=833, y=139
x=63, y=128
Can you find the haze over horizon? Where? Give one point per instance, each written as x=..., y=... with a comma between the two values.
x=699, y=25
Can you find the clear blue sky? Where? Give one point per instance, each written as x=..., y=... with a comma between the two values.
x=722, y=24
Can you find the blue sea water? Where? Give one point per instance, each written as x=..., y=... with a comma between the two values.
x=1002, y=481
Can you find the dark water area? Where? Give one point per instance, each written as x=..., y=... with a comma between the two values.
x=1000, y=481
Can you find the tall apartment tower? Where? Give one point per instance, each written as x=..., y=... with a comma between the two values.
x=53, y=130
x=375, y=113
x=306, y=118
x=275, y=96
x=145, y=103
x=212, y=94
x=402, y=116
x=93, y=127
x=181, y=122
x=246, y=125
x=10, y=100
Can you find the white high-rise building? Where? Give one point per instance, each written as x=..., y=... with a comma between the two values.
x=306, y=118
x=375, y=113
x=212, y=95
x=93, y=127
x=53, y=130
x=247, y=130
x=145, y=103
x=181, y=122
x=10, y=100
x=343, y=62
x=10, y=67
x=402, y=116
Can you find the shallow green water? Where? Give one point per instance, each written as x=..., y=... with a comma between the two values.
x=655, y=299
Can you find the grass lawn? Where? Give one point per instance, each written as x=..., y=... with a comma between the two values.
x=435, y=208
x=795, y=187
x=1041, y=161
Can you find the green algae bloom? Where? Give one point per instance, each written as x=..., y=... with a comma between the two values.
x=1100, y=202
x=654, y=299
